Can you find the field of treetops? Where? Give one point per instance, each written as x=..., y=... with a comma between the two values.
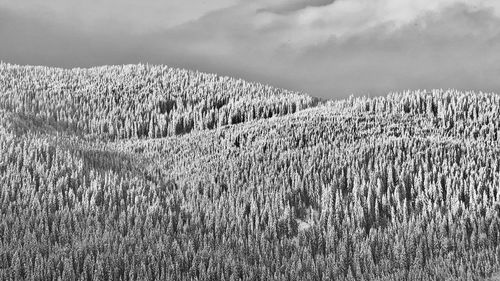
x=143, y=172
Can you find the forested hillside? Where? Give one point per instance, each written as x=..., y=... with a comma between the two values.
x=148, y=172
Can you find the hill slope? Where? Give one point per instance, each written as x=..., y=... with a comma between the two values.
x=141, y=172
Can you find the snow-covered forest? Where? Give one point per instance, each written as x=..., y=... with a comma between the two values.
x=143, y=172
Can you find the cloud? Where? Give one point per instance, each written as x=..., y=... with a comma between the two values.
x=312, y=25
x=454, y=48
x=450, y=45
x=326, y=48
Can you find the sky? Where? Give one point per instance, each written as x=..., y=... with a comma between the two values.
x=326, y=48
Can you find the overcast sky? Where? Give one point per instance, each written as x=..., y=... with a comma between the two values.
x=327, y=48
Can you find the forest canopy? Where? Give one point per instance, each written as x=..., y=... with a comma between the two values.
x=143, y=172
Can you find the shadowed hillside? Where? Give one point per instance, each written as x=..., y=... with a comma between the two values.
x=147, y=172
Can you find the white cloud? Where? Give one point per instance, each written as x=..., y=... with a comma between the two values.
x=343, y=19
